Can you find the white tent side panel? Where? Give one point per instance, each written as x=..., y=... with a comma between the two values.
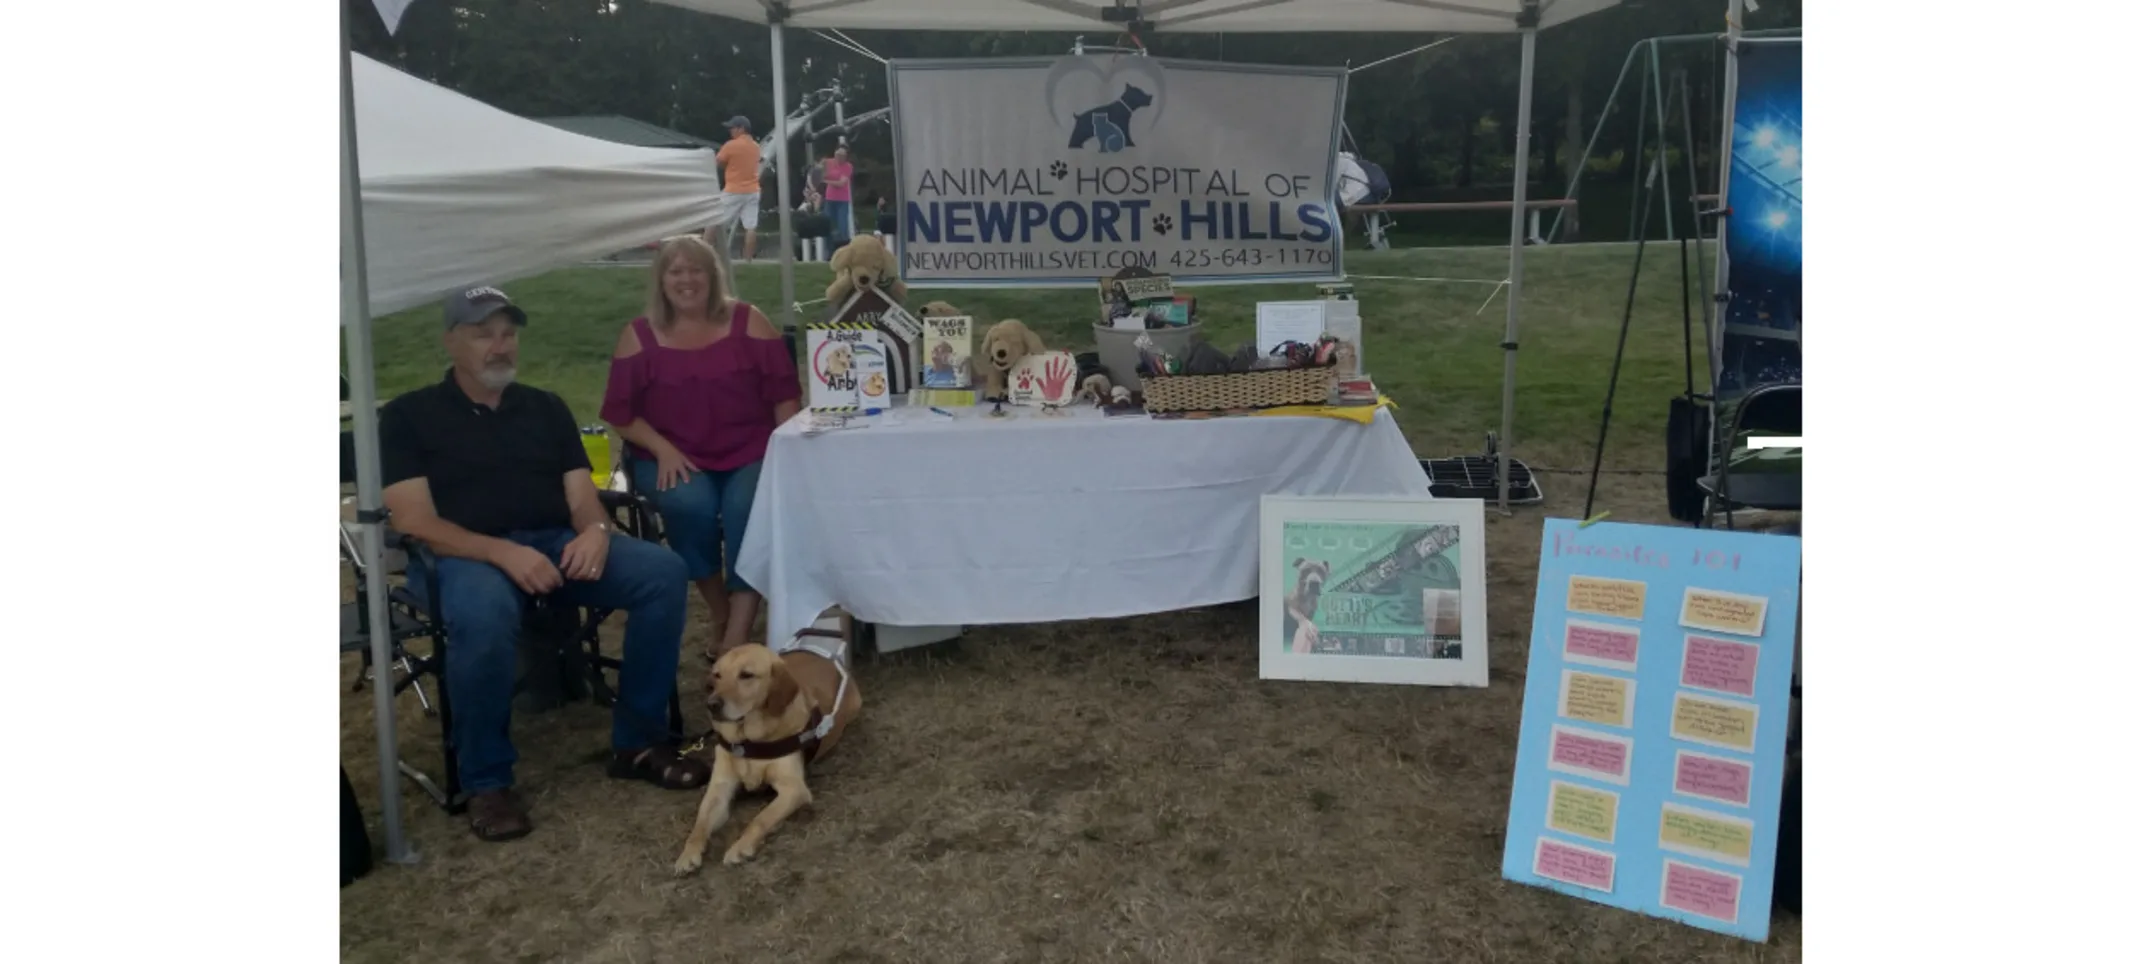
x=1184, y=16
x=457, y=192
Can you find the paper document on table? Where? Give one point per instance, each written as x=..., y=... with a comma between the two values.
x=1278, y=322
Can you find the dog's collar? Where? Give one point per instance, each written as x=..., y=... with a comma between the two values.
x=804, y=743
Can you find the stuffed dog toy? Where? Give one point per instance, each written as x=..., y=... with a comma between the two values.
x=773, y=714
x=864, y=263
x=1006, y=342
x=1300, y=605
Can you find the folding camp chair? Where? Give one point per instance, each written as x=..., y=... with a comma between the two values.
x=1750, y=480
x=413, y=613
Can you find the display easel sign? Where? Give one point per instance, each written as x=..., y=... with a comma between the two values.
x=1649, y=771
x=1278, y=322
x=834, y=381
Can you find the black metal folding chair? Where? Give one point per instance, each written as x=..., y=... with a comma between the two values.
x=1770, y=409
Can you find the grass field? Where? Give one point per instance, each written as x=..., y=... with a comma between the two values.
x=1107, y=790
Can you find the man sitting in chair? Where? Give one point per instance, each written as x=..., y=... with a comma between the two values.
x=492, y=478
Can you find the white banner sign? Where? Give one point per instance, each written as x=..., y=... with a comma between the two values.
x=1029, y=172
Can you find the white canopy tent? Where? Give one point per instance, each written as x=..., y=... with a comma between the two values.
x=458, y=192
x=455, y=192
x=1185, y=16
x=1143, y=16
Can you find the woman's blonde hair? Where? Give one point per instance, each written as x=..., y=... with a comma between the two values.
x=692, y=248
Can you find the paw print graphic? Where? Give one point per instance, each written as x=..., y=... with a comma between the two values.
x=1162, y=224
x=1025, y=380
x=1059, y=169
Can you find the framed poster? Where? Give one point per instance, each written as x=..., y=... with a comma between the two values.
x=1374, y=590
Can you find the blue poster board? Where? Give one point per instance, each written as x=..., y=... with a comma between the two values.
x=1649, y=772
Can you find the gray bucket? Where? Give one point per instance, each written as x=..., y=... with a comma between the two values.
x=1118, y=349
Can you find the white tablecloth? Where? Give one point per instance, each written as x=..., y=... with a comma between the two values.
x=924, y=520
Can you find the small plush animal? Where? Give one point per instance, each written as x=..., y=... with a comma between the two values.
x=1094, y=389
x=864, y=263
x=1005, y=343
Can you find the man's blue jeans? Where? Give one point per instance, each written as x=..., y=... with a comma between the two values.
x=483, y=610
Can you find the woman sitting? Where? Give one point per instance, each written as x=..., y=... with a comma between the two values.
x=696, y=388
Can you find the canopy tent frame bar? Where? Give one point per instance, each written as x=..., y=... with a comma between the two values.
x=364, y=419
x=1528, y=21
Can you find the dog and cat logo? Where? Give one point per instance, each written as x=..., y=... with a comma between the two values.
x=1098, y=102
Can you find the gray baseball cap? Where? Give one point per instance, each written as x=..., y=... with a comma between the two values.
x=475, y=306
x=740, y=121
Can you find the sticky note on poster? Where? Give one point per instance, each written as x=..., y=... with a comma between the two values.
x=1583, y=811
x=1695, y=890
x=1723, y=612
x=1599, y=644
x=1699, y=833
x=1713, y=778
x=1725, y=723
x=1571, y=864
x=1719, y=665
x=1596, y=698
x=1590, y=754
x=1606, y=597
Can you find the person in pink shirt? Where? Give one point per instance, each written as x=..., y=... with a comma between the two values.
x=696, y=387
x=839, y=195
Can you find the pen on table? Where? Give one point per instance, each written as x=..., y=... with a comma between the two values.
x=940, y=411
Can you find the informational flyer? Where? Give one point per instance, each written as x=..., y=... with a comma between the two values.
x=1649, y=772
x=835, y=377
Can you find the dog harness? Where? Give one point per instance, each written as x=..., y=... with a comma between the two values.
x=821, y=722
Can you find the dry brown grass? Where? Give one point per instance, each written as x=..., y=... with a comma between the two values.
x=1118, y=790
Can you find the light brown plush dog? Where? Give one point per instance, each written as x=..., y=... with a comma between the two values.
x=864, y=263
x=1006, y=342
x=767, y=708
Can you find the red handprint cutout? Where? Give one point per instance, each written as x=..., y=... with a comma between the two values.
x=1055, y=379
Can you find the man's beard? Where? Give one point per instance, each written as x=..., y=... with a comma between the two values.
x=497, y=377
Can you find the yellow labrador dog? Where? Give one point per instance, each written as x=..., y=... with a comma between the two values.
x=773, y=713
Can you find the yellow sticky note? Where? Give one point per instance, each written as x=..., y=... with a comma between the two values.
x=1723, y=612
x=1583, y=811
x=1722, y=723
x=1606, y=597
x=1592, y=698
x=1704, y=834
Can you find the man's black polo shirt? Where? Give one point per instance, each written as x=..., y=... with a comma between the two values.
x=491, y=471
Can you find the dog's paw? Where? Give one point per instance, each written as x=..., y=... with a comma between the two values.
x=688, y=864
x=738, y=854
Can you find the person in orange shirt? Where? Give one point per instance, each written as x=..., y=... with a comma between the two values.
x=739, y=189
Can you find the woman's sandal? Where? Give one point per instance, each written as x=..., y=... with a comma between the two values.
x=496, y=816
x=661, y=766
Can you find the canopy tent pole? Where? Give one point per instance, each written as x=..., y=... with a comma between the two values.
x=1734, y=12
x=1528, y=20
x=364, y=416
x=780, y=170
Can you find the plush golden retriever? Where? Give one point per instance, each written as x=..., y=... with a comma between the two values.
x=772, y=715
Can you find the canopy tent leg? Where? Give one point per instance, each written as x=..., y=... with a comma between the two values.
x=364, y=412
x=1663, y=125
x=1529, y=22
x=1734, y=12
x=780, y=170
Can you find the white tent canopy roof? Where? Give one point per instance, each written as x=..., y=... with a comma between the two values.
x=1198, y=16
x=458, y=193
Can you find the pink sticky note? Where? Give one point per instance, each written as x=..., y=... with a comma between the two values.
x=1720, y=665
x=1589, y=754
x=1571, y=864
x=1598, y=643
x=1713, y=778
x=1697, y=890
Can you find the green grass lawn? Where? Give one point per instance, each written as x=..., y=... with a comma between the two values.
x=1428, y=345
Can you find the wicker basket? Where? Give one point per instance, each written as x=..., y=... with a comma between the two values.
x=1258, y=389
